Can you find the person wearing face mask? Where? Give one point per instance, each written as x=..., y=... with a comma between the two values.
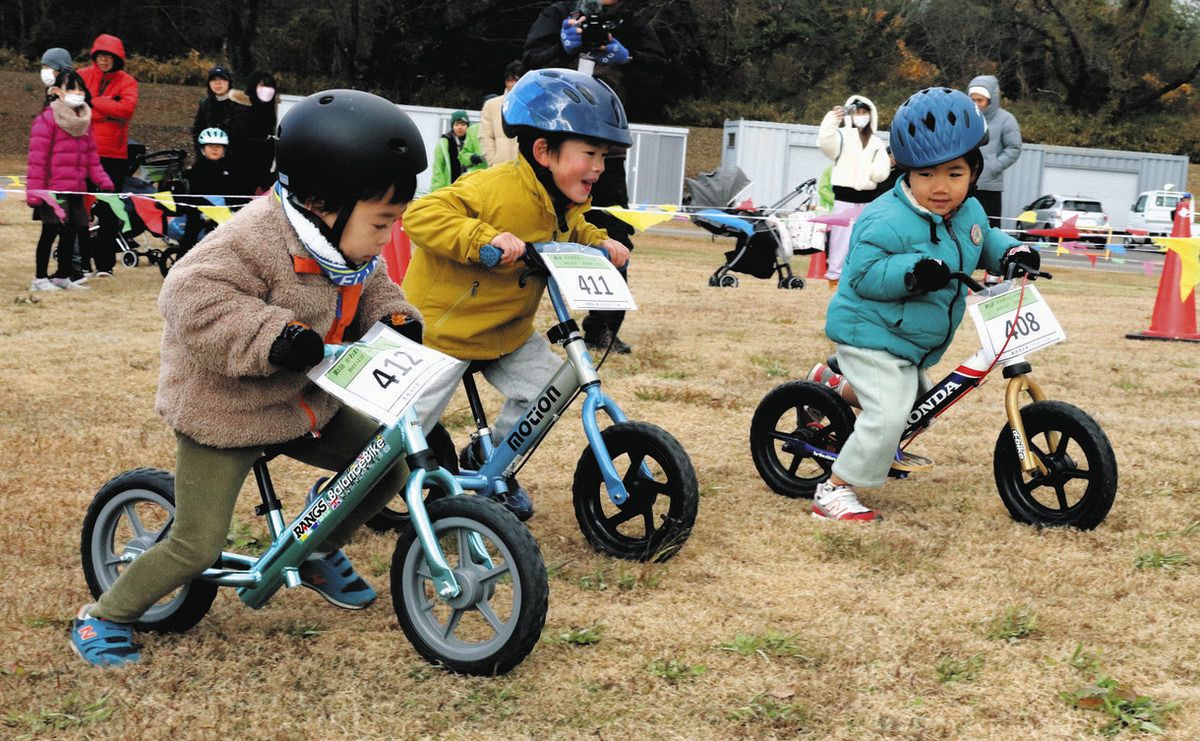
x=63, y=158
x=258, y=154
x=860, y=163
x=54, y=62
x=222, y=108
x=114, y=98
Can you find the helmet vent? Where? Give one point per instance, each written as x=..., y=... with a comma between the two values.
x=550, y=73
x=397, y=145
x=930, y=122
x=587, y=94
x=574, y=96
x=325, y=99
x=951, y=118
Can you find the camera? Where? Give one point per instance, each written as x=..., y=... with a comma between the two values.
x=595, y=30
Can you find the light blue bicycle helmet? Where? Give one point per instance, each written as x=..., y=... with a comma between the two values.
x=566, y=101
x=213, y=136
x=936, y=125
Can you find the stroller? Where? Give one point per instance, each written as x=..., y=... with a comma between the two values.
x=148, y=172
x=766, y=238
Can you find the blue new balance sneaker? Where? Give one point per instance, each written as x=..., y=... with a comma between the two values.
x=102, y=642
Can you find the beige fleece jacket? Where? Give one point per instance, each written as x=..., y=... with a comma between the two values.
x=223, y=304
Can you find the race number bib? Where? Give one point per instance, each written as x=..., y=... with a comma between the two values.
x=588, y=281
x=382, y=374
x=1032, y=327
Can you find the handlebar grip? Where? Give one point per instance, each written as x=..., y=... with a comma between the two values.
x=489, y=255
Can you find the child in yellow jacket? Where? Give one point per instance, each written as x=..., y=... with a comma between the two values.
x=565, y=123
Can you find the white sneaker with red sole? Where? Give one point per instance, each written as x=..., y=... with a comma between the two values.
x=840, y=503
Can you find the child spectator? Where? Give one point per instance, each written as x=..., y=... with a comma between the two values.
x=62, y=158
x=244, y=319
x=258, y=154
x=564, y=122
x=455, y=153
x=114, y=98
x=221, y=108
x=495, y=145
x=213, y=174
x=895, y=312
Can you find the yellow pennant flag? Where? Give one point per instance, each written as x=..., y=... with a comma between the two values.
x=1027, y=217
x=219, y=214
x=1061, y=250
x=166, y=199
x=1188, y=249
x=16, y=179
x=640, y=220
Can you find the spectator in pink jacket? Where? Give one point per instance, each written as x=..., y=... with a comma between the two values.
x=62, y=159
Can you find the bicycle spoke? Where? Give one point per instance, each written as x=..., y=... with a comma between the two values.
x=1078, y=473
x=648, y=517
x=464, y=546
x=489, y=615
x=452, y=623
x=134, y=521
x=1062, y=444
x=165, y=528
x=495, y=573
x=1062, y=496
x=796, y=461
x=423, y=573
x=625, y=515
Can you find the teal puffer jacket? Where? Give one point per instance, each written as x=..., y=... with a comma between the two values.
x=873, y=309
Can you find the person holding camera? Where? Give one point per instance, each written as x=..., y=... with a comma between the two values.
x=623, y=50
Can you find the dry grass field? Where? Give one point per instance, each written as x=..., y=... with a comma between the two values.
x=947, y=620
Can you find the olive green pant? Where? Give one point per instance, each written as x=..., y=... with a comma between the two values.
x=207, y=482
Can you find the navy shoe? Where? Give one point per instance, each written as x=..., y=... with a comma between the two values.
x=102, y=642
x=334, y=579
x=516, y=500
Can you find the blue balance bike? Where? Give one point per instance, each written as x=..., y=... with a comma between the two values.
x=1052, y=462
x=467, y=579
x=635, y=490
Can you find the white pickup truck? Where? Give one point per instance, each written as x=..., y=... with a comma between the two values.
x=1152, y=212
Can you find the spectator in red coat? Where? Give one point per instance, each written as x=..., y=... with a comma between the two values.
x=114, y=95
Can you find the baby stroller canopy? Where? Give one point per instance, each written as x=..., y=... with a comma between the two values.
x=719, y=188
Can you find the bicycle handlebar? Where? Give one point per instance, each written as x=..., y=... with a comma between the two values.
x=490, y=255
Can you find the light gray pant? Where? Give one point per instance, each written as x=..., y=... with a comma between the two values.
x=886, y=387
x=520, y=376
x=839, y=239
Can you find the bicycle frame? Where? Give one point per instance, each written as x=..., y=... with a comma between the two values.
x=257, y=579
x=576, y=373
x=969, y=375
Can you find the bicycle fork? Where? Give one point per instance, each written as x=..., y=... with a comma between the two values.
x=1020, y=382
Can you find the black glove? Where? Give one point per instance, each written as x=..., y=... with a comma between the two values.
x=927, y=275
x=1024, y=257
x=477, y=159
x=297, y=348
x=407, y=326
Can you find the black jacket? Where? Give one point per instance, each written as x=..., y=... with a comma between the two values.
x=635, y=79
x=213, y=177
x=228, y=115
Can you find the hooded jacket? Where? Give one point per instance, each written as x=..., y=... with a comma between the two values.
x=874, y=309
x=472, y=312
x=1004, y=137
x=496, y=146
x=62, y=152
x=857, y=170
x=114, y=99
x=223, y=305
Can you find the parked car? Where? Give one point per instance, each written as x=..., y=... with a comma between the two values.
x=1050, y=211
x=1153, y=212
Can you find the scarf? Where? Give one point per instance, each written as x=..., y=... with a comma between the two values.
x=453, y=144
x=308, y=229
x=74, y=121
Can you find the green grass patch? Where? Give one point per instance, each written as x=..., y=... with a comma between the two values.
x=770, y=712
x=1015, y=623
x=1156, y=559
x=950, y=669
x=74, y=711
x=674, y=671
x=770, y=367
x=589, y=636
x=770, y=644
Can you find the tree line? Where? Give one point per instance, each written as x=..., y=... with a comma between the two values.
x=1114, y=63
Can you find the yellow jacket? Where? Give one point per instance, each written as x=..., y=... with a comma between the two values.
x=472, y=312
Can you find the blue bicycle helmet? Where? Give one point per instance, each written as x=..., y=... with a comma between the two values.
x=565, y=101
x=936, y=125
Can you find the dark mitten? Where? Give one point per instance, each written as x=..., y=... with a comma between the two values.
x=407, y=326
x=1024, y=257
x=927, y=275
x=477, y=159
x=297, y=348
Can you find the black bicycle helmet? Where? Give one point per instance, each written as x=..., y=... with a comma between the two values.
x=342, y=146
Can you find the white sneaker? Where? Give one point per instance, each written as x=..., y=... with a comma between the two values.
x=102, y=274
x=840, y=503
x=43, y=284
x=68, y=284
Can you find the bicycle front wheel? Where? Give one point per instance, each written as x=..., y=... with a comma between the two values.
x=497, y=618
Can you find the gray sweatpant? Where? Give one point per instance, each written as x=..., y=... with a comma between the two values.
x=886, y=387
x=519, y=375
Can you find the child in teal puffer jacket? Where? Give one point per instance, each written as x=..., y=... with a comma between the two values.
x=895, y=310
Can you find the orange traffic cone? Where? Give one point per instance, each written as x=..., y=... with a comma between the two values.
x=1173, y=319
x=397, y=252
x=816, y=265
